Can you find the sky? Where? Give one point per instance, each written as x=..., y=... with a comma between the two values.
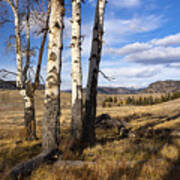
x=141, y=43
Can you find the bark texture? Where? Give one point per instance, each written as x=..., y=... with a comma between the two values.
x=91, y=92
x=29, y=118
x=15, y=8
x=28, y=57
x=29, y=109
x=19, y=83
x=51, y=124
x=29, y=112
x=76, y=124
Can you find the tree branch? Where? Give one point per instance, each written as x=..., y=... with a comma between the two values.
x=38, y=70
x=28, y=44
x=12, y=6
x=106, y=77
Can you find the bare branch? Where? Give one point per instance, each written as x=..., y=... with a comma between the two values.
x=106, y=77
x=36, y=83
x=12, y=5
x=3, y=21
x=28, y=44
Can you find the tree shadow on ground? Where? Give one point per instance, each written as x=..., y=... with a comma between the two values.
x=160, y=136
x=135, y=171
x=174, y=171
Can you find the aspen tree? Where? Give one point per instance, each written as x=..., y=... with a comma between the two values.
x=94, y=61
x=26, y=86
x=51, y=124
x=76, y=123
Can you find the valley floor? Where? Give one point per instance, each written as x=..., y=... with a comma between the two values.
x=153, y=154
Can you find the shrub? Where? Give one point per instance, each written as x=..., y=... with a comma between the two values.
x=115, y=100
x=109, y=105
x=104, y=104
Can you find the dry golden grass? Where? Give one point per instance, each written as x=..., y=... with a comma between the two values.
x=142, y=158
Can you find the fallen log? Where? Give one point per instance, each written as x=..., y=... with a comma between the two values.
x=24, y=169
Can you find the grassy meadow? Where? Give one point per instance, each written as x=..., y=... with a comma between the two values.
x=152, y=154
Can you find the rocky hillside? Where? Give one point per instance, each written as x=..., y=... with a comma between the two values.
x=163, y=87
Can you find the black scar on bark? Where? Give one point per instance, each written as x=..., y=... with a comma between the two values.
x=53, y=70
x=57, y=25
x=51, y=77
x=52, y=57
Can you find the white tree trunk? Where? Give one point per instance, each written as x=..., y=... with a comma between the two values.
x=51, y=124
x=76, y=124
x=95, y=57
x=28, y=57
x=29, y=115
x=15, y=9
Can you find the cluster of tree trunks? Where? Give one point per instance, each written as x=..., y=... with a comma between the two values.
x=26, y=86
x=82, y=127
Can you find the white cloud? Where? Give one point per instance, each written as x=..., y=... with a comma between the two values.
x=174, y=65
x=133, y=76
x=130, y=48
x=138, y=76
x=157, y=55
x=125, y=3
x=132, y=72
x=155, y=51
x=137, y=47
x=122, y=3
x=167, y=41
x=116, y=29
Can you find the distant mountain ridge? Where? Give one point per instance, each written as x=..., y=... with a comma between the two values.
x=156, y=87
x=11, y=85
x=117, y=90
x=163, y=87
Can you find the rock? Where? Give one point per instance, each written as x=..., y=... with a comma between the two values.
x=105, y=121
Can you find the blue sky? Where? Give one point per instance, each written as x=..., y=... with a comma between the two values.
x=141, y=43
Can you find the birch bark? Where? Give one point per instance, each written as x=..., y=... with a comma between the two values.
x=29, y=106
x=15, y=9
x=76, y=123
x=51, y=124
